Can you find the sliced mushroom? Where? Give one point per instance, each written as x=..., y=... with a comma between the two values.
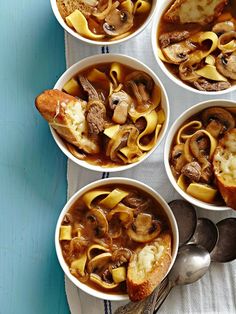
x=226, y=65
x=95, y=249
x=140, y=77
x=200, y=147
x=144, y=228
x=178, y=52
x=223, y=27
x=217, y=121
x=205, y=85
x=96, y=220
x=98, y=280
x=88, y=87
x=118, y=97
x=121, y=256
x=169, y=38
x=118, y=22
x=178, y=159
x=120, y=103
x=97, y=263
x=141, y=85
x=192, y=170
x=227, y=42
x=115, y=228
x=187, y=72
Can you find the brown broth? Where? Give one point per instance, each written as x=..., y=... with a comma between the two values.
x=103, y=88
x=165, y=27
x=198, y=117
x=78, y=212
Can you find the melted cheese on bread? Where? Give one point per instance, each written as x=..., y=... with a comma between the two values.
x=192, y=11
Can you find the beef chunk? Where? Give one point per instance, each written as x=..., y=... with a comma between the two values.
x=96, y=116
x=192, y=170
x=206, y=85
x=167, y=39
x=140, y=203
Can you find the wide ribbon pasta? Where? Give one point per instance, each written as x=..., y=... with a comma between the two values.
x=183, y=131
x=128, y=131
x=89, y=197
x=141, y=6
x=78, y=21
x=186, y=68
x=127, y=5
x=227, y=42
x=116, y=73
x=151, y=126
x=113, y=198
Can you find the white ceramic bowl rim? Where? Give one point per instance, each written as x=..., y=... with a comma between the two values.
x=156, y=19
x=174, y=128
x=112, y=181
x=136, y=64
x=100, y=43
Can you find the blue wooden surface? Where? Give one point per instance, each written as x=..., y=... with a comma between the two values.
x=33, y=170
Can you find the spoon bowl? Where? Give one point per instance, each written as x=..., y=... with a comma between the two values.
x=225, y=249
x=186, y=218
x=206, y=234
x=191, y=264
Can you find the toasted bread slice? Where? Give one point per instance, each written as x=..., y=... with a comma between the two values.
x=66, y=7
x=224, y=163
x=66, y=114
x=148, y=267
x=192, y=11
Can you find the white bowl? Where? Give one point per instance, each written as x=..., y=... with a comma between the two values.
x=101, y=43
x=83, y=64
x=113, y=181
x=171, y=134
x=161, y=8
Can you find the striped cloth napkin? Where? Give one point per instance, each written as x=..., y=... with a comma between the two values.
x=216, y=292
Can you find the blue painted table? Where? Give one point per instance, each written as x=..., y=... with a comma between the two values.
x=33, y=170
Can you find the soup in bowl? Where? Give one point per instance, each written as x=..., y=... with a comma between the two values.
x=194, y=42
x=106, y=112
x=116, y=237
x=200, y=157
x=103, y=22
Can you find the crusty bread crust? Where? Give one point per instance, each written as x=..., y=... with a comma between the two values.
x=52, y=105
x=138, y=287
x=173, y=14
x=226, y=186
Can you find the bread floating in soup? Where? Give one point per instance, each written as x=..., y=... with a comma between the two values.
x=117, y=239
x=203, y=156
x=104, y=20
x=197, y=41
x=108, y=114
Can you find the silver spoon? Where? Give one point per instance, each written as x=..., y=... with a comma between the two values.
x=186, y=218
x=206, y=234
x=225, y=249
x=191, y=264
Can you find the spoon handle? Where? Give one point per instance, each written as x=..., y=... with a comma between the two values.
x=162, y=296
x=151, y=300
